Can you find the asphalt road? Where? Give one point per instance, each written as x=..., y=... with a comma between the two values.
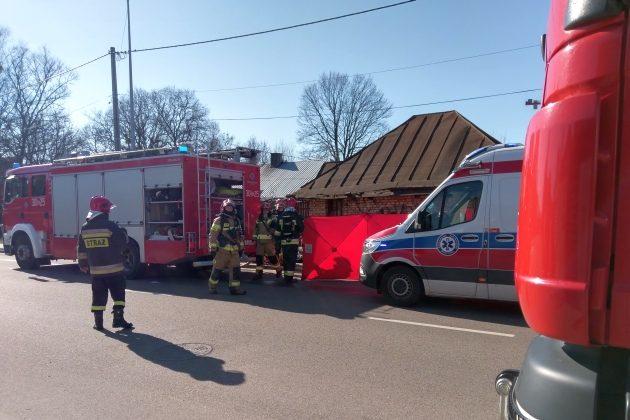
x=318, y=350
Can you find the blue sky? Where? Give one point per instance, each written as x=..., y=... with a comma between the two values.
x=413, y=34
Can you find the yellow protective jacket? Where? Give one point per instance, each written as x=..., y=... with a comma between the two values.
x=262, y=231
x=226, y=233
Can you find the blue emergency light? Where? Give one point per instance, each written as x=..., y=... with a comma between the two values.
x=182, y=149
x=16, y=165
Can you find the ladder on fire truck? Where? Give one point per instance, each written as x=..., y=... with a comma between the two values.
x=204, y=185
x=83, y=158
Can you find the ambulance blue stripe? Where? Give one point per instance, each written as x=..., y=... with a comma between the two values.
x=429, y=242
x=406, y=243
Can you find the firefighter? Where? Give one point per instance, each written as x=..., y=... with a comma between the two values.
x=265, y=244
x=289, y=226
x=226, y=247
x=99, y=252
x=276, y=214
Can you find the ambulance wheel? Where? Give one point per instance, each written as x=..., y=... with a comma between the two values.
x=24, y=253
x=131, y=260
x=402, y=286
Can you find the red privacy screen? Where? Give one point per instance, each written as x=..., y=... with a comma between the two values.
x=332, y=245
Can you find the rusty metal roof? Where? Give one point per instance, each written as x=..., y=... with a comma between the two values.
x=414, y=157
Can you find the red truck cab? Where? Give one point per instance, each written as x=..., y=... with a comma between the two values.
x=572, y=270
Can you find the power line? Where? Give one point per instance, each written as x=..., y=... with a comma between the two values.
x=90, y=104
x=468, y=99
x=77, y=67
x=471, y=98
x=268, y=31
x=432, y=63
x=238, y=36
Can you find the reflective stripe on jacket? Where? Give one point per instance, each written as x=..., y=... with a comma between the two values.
x=262, y=232
x=101, y=243
x=288, y=227
x=226, y=233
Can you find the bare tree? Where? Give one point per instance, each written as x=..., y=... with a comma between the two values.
x=56, y=139
x=262, y=147
x=167, y=117
x=33, y=87
x=182, y=118
x=287, y=150
x=148, y=131
x=339, y=115
x=98, y=135
x=5, y=125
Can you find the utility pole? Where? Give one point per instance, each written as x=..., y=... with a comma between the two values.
x=132, y=117
x=112, y=53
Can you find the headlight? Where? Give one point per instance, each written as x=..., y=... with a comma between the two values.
x=370, y=246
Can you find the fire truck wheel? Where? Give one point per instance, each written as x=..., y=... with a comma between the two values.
x=24, y=253
x=131, y=260
x=402, y=286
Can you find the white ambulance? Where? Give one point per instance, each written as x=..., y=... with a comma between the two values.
x=460, y=242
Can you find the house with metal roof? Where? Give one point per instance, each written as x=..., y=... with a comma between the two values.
x=396, y=172
x=279, y=179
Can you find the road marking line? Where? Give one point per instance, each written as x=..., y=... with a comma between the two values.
x=420, y=324
x=148, y=293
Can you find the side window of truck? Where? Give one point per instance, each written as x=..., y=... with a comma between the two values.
x=456, y=204
x=38, y=185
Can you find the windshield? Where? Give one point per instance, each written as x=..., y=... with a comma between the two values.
x=15, y=187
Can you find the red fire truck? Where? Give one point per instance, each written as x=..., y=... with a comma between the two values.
x=166, y=200
x=572, y=259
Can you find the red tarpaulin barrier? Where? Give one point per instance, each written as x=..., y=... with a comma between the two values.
x=332, y=245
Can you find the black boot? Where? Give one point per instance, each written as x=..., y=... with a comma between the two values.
x=98, y=320
x=237, y=291
x=119, y=320
x=258, y=275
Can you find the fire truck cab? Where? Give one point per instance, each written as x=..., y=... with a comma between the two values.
x=165, y=198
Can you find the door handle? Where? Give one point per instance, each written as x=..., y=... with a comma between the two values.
x=470, y=238
x=505, y=237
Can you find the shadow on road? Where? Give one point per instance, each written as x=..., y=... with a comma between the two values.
x=178, y=357
x=506, y=313
x=335, y=298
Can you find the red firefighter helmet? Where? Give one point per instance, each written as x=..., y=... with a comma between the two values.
x=290, y=202
x=227, y=202
x=101, y=204
x=280, y=204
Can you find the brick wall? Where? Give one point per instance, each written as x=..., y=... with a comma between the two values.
x=360, y=205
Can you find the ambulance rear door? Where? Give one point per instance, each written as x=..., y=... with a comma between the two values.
x=498, y=262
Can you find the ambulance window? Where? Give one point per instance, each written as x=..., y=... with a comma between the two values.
x=461, y=203
x=38, y=185
x=432, y=212
x=456, y=204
